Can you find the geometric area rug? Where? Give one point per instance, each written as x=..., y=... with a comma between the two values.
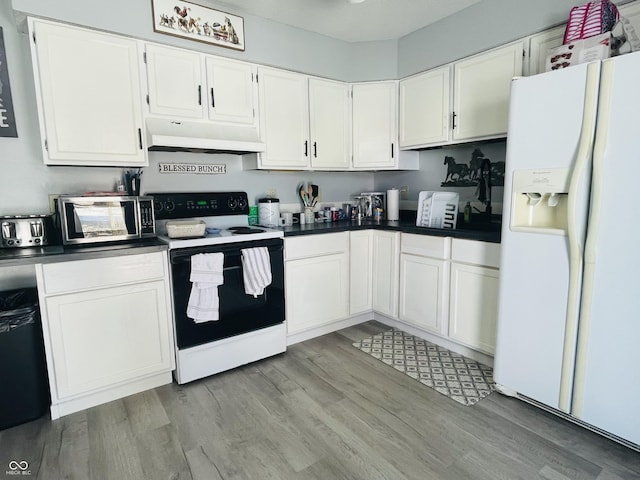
x=449, y=373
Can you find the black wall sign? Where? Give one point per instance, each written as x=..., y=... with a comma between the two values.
x=7, y=120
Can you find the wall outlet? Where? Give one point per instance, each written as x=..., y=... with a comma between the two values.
x=272, y=192
x=404, y=192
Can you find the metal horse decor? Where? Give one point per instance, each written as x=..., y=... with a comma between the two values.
x=469, y=175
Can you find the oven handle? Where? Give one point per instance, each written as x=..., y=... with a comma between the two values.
x=183, y=260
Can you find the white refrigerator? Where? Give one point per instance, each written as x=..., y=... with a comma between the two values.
x=568, y=335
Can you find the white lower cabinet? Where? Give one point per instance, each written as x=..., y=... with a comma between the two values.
x=473, y=303
x=360, y=271
x=107, y=328
x=316, y=273
x=424, y=275
x=386, y=266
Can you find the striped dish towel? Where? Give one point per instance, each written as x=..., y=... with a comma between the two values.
x=256, y=270
x=206, y=275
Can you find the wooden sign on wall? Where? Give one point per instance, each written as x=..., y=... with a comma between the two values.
x=193, y=168
x=7, y=118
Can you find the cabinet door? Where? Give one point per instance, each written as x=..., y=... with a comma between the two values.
x=284, y=118
x=317, y=291
x=102, y=337
x=539, y=44
x=386, y=261
x=89, y=96
x=361, y=271
x=330, y=124
x=473, y=308
x=231, y=91
x=425, y=108
x=374, y=125
x=423, y=292
x=482, y=86
x=174, y=79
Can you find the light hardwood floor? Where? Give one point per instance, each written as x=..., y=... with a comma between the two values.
x=323, y=410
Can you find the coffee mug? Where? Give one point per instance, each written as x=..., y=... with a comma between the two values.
x=287, y=219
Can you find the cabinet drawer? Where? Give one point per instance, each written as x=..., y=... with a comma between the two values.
x=425, y=246
x=79, y=275
x=475, y=252
x=315, y=245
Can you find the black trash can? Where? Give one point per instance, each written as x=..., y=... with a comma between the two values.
x=23, y=373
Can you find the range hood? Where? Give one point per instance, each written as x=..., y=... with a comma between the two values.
x=195, y=136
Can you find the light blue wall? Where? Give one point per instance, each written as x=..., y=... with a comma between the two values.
x=266, y=42
x=25, y=182
x=482, y=26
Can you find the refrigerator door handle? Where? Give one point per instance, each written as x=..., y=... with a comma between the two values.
x=579, y=181
x=604, y=111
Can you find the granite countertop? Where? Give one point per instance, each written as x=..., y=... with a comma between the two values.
x=59, y=253
x=488, y=231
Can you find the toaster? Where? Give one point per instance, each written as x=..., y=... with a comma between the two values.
x=21, y=231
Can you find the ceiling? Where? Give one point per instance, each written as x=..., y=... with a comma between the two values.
x=368, y=21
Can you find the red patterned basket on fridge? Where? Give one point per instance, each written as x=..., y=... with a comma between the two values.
x=590, y=19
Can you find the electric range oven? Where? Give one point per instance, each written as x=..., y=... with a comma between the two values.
x=249, y=327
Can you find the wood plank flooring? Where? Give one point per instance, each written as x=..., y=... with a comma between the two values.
x=323, y=410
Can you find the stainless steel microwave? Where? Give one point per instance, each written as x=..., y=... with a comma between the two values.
x=104, y=218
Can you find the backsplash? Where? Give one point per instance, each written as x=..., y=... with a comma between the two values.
x=453, y=169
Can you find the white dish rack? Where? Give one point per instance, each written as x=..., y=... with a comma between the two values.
x=437, y=209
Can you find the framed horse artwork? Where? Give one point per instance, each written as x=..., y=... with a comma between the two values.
x=195, y=22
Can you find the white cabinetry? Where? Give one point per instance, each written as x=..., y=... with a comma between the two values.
x=374, y=125
x=539, y=44
x=482, y=86
x=424, y=275
x=316, y=274
x=306, y=121
x=360, y=271
x=329, y=124
x=284, y=119
x=425, y=108
x=185, y=84
x=474, y=293
x=386, y=265
x=174, y=82
x=375, y=128
x=467, y=99
x=107, y=328
x=89, y=96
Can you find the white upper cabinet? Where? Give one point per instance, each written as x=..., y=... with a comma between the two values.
x=482, y=86
x=330, y=124
x=175, y=81
x=306, y=121
x=425, y=106
x=232, y=91
x=284, y=119
x=465, y=100
x=539, y=44
x=89, y=96
x=375, y=125
x=184, y=84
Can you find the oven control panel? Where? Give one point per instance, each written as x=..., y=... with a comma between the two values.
x=199, y=204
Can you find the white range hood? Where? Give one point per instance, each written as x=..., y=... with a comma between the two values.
x=173, y=135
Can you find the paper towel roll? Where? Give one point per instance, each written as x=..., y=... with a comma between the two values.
x=393, y=204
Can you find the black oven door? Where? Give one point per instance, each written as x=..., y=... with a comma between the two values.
x=239, y=313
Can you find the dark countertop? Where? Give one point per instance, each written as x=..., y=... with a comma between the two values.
x=58, y=253
x=482, y=231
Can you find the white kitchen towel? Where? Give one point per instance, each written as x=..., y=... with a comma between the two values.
x=206, y=275
x=207, y=268
x=256, y=270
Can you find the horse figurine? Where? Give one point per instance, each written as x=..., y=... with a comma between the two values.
x=459, y=169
